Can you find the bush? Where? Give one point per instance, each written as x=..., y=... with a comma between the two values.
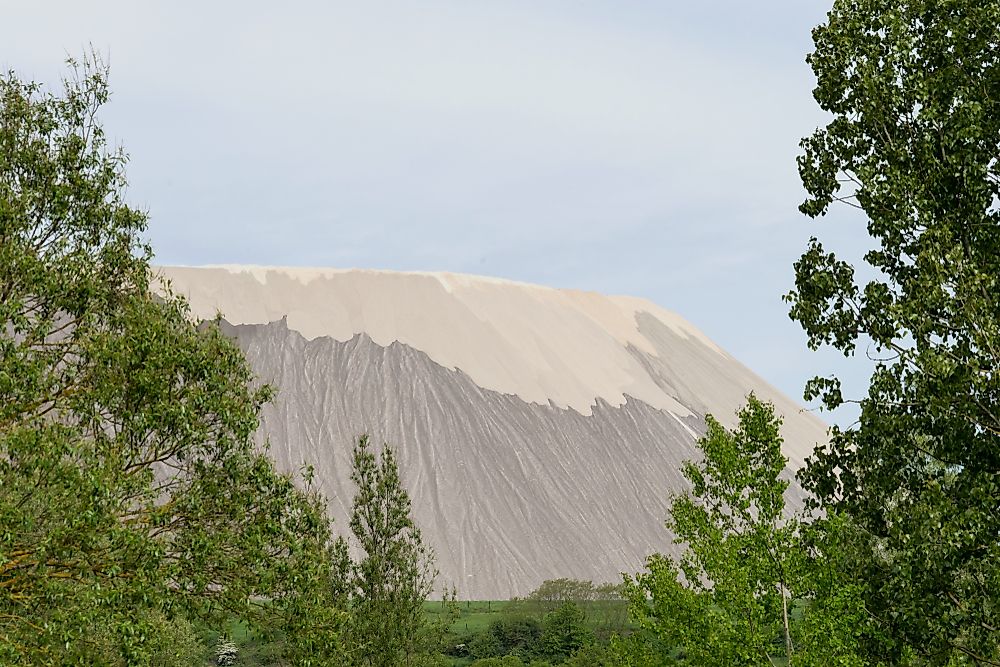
x=508, y=635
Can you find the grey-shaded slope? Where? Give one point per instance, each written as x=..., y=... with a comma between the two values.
x=697, y=380
x=540, y=430
x=508, y=493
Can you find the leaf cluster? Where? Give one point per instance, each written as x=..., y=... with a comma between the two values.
x=395, y=574
x=130, y=486
x=753, y=585
x=913, y=89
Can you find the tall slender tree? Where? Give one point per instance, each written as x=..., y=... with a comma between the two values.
x=913, y=88
x=395, y=573
x=728, y=596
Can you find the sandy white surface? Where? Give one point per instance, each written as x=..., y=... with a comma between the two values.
x=542, y=344
x=536, y=342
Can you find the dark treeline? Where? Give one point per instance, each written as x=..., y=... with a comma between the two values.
x=140, y=524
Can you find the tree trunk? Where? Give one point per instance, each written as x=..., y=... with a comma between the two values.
x=784, y=618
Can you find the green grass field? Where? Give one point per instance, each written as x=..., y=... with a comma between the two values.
x=474, y=615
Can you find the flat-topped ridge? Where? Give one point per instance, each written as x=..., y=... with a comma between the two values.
x=307, y=274
x=542, y=344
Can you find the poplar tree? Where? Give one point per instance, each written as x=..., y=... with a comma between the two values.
x=727, y=597
x=913, y=143
x=395, y=572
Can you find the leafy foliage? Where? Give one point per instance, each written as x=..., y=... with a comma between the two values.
x=552, y=593
x=129, y=480
x=914, y=93
x=730, y=599
x=508, y=635
x=395, y=574
x=604, y=608
x=564, y=633
x=833, y=626
x=172, y=642
x=505, y=661
x=730, y=592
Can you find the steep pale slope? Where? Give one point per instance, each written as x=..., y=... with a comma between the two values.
x=539, y=430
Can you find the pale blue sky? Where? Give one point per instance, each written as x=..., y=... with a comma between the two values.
x=643, y=148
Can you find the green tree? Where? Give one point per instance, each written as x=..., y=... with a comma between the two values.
x=592, y=655
x=602, y=604
x=835, y=627
x=641, y=648
x=505, y=661
x=913, y=89
x=729, y=596
x=130, y=486
x=395, y=574
x=564, y=632
x=553, y=593
x=511, y=634
x=172, y=643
